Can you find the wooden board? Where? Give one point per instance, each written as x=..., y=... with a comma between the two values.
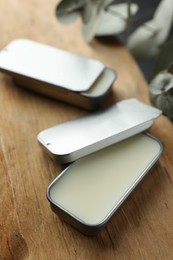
x=142, y=228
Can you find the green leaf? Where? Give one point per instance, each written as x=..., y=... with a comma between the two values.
x=142, y=43
x=164, y=58
x=90, y=28
x=106, y=3
x=112, y=20
x=170, y=68
x=145, y=42
x=87, y=12
x=161, y=92
x=164, y=103
x=163, y=19
x=69, y=10
x=170, y=95
x=161, y=83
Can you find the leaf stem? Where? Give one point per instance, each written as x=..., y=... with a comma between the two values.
x=129, y=17
x=129, y=20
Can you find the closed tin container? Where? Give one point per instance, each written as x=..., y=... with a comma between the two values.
x=57, y=73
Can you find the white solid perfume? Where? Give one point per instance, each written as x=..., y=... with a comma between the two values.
x=90, y=190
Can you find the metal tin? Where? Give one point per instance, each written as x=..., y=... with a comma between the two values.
x=56, y=73
x=89, y=100
x=90, y=191
x=77, y=138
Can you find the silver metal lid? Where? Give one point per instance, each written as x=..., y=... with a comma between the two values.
x=77, y=138
x=50, y=65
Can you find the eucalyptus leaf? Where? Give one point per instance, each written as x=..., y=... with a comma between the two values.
x=107, y=2
x=68, y=11
x=170, y=95
x=170, y=68
x=90, y=28
x=87, y=12
x=161, y=92
x=164, y=103
x=163, y=19
x=161, y=83
x=164, y=58
x=113, y=19
x=142, y=43
x=145, y=42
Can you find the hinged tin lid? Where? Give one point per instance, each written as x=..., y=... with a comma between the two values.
x=77, y=138
x=50, y=65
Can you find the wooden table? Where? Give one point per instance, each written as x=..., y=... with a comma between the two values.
x=142, y=228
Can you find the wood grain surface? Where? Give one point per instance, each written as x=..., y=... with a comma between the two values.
x=142, y=228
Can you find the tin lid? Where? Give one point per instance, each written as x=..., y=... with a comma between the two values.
x=74, y=139
x=50, y=65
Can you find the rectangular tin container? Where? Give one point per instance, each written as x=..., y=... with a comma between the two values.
x=90, y=191
x=57, y=73
x=89, y=100
x=72, y=140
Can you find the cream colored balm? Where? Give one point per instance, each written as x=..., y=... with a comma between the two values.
x=90, y=190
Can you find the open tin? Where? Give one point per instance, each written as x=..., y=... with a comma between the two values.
x=57, y=73
x=112, y=157
x=72, y=140
x=89, y=191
